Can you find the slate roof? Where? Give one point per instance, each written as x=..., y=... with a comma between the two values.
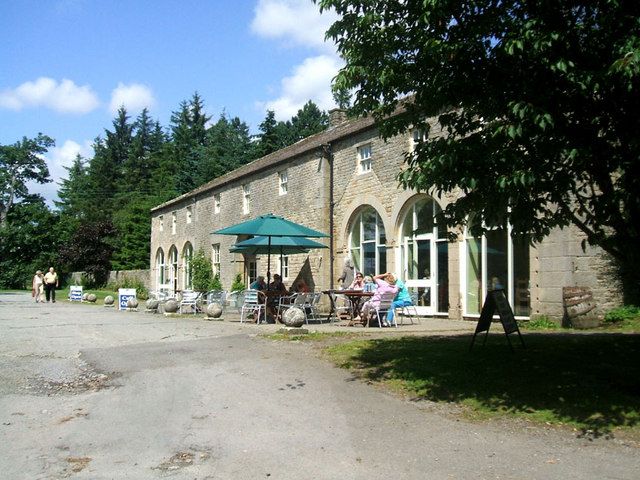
x=304, y=146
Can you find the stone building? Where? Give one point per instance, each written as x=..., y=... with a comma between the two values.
x=342, y=182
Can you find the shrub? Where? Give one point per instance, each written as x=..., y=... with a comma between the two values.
x=540, y=323
x=215, y=284
x=238, y=284
x=201, y=271
x=622, y=314
x=127, y=282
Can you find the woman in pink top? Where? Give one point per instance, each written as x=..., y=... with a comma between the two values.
x=386, y=282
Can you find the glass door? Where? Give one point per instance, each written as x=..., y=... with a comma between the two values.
x=419, y=269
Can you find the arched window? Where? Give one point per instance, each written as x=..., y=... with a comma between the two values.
x=425, y=256
x=160, y=269
x=187, y=256
x=172, y=274
x=367, y=242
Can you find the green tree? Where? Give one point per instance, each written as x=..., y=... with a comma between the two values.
x=536, y=101
x=188, y=135
x=270, y=138
x=107, y=169
x=228, y=146
x=20, y=163
x=28, y=242
x=72, y=194
x=308, y=121
x=90, y=251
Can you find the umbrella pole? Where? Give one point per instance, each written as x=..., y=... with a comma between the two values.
x=269, y=263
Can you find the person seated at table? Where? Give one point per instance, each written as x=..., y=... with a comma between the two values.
x=358, y=282
x=277, y=285
x=369, y=284
x=403, y=299
x=299, y=286
x=386, y=282
x=259, y=284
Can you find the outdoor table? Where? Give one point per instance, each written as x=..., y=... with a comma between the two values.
x=271, y=300
x=355, y=297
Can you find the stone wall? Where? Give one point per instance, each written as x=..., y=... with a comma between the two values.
x=116, y=277
x=306, y=203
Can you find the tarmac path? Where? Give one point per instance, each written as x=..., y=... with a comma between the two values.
x=88, y=392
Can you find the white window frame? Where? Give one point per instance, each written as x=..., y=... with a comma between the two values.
x=417, y=136
x=246, y=198
x=283, y=266
x=187, y=274
x=216, y=203
x=357, y=245
x=161, y=221
x=364, y=158
x=485, y=280
x=215, y=259
x=283, y=182
x=189, y=214
x=174, y=223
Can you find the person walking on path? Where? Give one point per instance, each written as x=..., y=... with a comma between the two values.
x=38, y=286
x=50, y=284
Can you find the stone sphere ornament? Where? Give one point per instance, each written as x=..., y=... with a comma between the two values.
x=293, y=317
x=92, y=298
x=214, y=310
x=171, y=306
x=152, y=304
x=84, y=296
x=132, y=303
x=108, y=300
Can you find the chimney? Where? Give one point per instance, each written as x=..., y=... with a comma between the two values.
x=336, y=117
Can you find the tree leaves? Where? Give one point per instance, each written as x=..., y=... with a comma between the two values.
x=534, y=100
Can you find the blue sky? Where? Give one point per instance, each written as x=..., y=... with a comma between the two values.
x=67, y=65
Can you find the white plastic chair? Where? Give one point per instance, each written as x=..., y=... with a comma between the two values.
x=252, y=303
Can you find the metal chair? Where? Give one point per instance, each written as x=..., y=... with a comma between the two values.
x=297, y=300
x=383, y=308
x=189, y=300
x=284, y=302
x=313, y=305
x=252, y=303
x=409, y=311
x=215, y=296
x=341, y=304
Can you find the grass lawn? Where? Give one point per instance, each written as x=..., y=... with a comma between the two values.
x=588, y=381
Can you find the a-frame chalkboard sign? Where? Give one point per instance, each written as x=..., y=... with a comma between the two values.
x=497, y=300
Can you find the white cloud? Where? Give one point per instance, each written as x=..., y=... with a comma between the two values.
x=134, y=98
x=57, y=159
x=297, y=22
x=63, y=97
x=310, y=81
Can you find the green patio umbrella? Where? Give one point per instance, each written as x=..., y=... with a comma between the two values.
x=270, y=226
x=285, y=245
x=282, y=245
